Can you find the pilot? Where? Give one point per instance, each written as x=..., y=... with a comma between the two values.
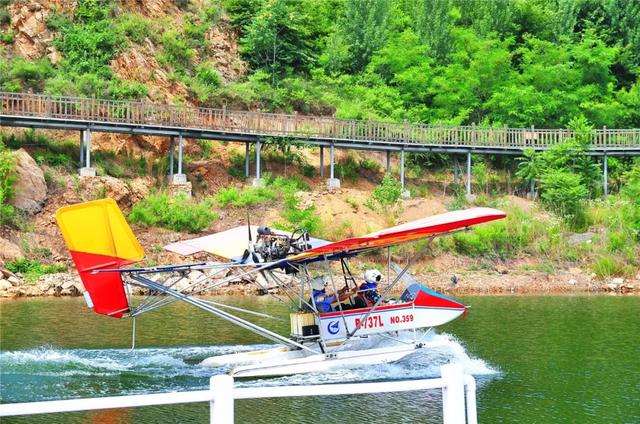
x=323, y=301
x=368, y=291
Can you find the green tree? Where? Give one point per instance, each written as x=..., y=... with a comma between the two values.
x=365, y=29
x=434, y=22
x=280, y=38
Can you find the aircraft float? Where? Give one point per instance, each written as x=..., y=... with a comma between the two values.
x=103, y=246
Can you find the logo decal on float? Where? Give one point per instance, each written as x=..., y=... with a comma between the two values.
x=333, y=327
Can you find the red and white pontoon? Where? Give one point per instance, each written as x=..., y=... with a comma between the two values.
x=101, y=243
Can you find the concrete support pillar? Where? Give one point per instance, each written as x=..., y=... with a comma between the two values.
x=605, y=181
x=246, y=160
x=532, y=188
x=87, y=142
x=81, y=149
x=331, y=157
x=468, y=173
x=257, y=180
x=388, y=161
x=332, y=182
x=321, y=161
x=180, y=142
x=258, y=149
x=178, y=178
x=456, y=170
x=172, y=149
x=402, y=169
x=86, y=170
x=405, y=193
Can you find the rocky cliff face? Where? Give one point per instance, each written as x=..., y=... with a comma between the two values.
x=28, y=21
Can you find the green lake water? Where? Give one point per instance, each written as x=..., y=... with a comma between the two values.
x=536, y=360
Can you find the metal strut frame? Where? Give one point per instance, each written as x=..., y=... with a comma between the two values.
x=207, y=306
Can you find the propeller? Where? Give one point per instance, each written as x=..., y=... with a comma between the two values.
x=250, y=251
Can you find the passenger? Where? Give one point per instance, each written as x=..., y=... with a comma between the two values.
x=323, y=301
x=368, y=291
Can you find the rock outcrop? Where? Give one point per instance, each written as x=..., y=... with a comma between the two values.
x=28, y=21
x=9, y=251
x=30, y=186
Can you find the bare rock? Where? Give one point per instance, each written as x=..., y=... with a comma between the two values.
x=9, y=252
x=14, y=280
x=30, y=186
x=4, y=285
x=576, y=239
x=501, y=269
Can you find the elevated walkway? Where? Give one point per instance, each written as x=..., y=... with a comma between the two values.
x=134, y=117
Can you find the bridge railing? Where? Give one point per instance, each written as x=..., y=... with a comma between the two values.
x=298, y=126
x=458, y=396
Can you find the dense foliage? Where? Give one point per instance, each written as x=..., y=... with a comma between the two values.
x=178, y=213
x=504, y=62
x=7, y=179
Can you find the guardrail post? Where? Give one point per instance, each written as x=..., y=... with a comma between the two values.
x=222, y=399
x=453, y=404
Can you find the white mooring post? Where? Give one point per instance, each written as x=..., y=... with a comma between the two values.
x=453, y=404
x=222, y=399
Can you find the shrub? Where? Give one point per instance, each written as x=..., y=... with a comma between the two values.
x=608, y=266
x=22, y=75
x=178, y=213
x=176, y=50
x=564, y=193
x=237, y=168
x=247, y=197
x=308, y=170
x=386, y=194
x=7, y=179
x=34, y=269
x=137, y=28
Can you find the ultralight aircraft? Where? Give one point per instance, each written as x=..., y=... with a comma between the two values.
x=102, y=245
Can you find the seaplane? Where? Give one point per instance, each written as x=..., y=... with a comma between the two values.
x=331, y=309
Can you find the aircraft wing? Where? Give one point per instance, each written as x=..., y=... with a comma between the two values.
x=227, y=244
x=414, y=230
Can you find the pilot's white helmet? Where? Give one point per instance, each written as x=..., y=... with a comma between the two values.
x=318, y=283
x=372, y=276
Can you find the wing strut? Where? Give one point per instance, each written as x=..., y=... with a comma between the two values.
x=220, y=313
